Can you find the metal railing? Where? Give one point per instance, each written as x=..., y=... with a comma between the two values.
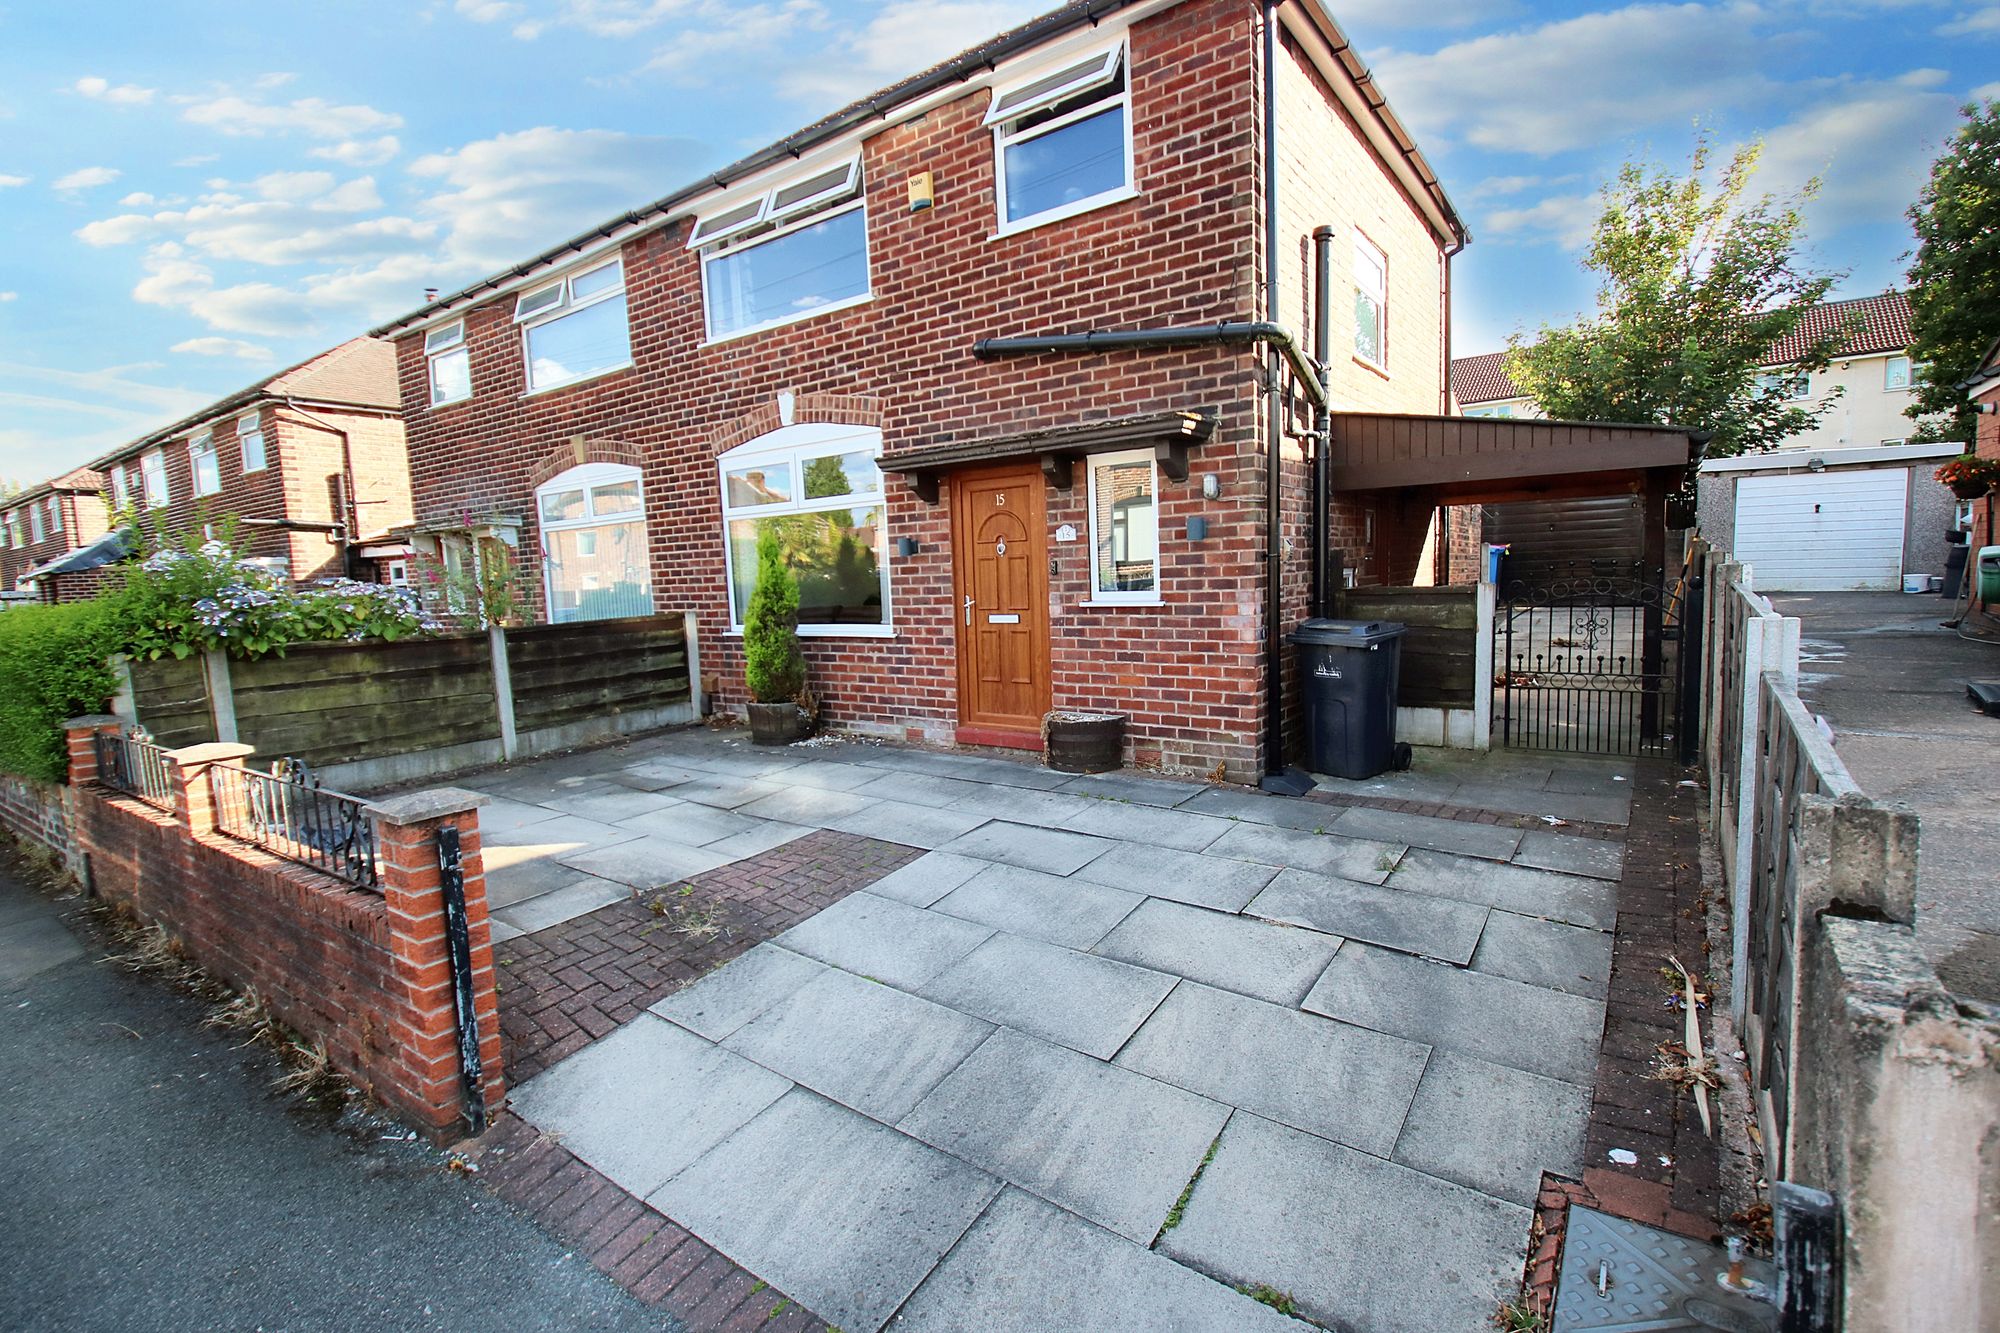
x=287, y=813
x=134, y=765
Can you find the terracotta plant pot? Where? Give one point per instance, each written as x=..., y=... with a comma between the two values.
x=1084, y=742
x=776, y=724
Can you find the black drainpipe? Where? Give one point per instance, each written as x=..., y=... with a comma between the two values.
x=1323, y=589
x=1274, y=425
x=350, y=504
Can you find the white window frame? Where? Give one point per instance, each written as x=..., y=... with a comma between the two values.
x=154, y=462
x=396, y=573
x=1367, y=251
x=1909, y=374
x=121, y=490
x=588, y=477
x=55, y=515
x=1794, y=386
x=13, y=522
x=1113, y=597
x=447, y=340
x=730, y=251
x=1113, y=59
x=567, y=303
x=248, y=428
x=795, y=446
x=202, y=446
x=35, y=533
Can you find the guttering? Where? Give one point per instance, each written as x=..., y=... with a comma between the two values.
x=1228, y=333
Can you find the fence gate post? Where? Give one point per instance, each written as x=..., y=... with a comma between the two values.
x=693, y=657
x=1806, y=1229
x=503, y=691
x=1482, y=665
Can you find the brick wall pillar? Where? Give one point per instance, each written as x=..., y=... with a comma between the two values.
x=426, y=1027
x=194, y=794
x=81, y=735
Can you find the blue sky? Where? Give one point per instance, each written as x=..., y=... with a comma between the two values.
x=195, y=192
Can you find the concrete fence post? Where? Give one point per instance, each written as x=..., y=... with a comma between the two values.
x=426, y=1030
x=1738, y=833
x=1486, y=606
x=693, y=653
x=194, y=794
x=80, y=736
x=221, y=694
x=503, y=690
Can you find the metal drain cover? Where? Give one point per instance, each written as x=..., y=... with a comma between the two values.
x=1652, y=1280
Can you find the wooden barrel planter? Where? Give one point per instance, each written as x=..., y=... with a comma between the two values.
x=1084, y=742
x=776, y=724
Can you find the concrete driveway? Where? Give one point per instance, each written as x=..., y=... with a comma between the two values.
x=1891, y=682
x=1109, y=1050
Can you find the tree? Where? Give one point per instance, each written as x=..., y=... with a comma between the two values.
x=1699, y=282
x=1955, y=274
x=773, y=666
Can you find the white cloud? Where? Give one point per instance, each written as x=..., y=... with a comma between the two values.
x=1870, y=143
x=275, y=79
x=9, y=296
x=486, y=11
x=137, y=199
x=108, y=387
x=177, y=281
x=360, y=152
x=198, y=160
x=299, y=217
x=312, y=116
x=122, y=94
x=1979, y=23
x=85, y=178
x=738, y=30
x=903, y=37
x=1566, y=219
x=9, y=182
x=236, y=347
x=600, y=18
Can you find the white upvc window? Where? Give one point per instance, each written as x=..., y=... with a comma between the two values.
x=35, y=533
x=1371, y=303
x=13, y=529
x=1787, y=384
x=121, y=492
x=250, y=440
x=396, y=573
x=153, y=474
x=450, y=363
x=575, y=327
x=1896, y=373
x=1124, y=528
x=55, y=514
x=595, y=561
x=1062, y=140
x=203, y=466
x=819, y=487
x=795, y=251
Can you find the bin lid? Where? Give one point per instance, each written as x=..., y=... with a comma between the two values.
x=1346, y=633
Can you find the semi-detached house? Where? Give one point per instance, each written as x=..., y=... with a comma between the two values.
x=1006, y=353
x=46, y=524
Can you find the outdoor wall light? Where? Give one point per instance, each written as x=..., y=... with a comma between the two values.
x=1197, y=529
x=908, y=546
x=1211, y=486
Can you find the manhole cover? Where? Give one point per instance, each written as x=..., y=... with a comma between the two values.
x=1651, y=1279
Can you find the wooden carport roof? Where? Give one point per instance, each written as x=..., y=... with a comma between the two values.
x=1489, y=460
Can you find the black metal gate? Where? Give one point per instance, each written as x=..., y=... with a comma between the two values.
x=1595, y=661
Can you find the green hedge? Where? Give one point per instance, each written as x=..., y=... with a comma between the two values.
x=52, y=668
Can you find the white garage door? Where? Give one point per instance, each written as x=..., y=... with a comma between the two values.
x=1823, y=531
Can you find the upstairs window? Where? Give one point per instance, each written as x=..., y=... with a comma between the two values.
x=594, y=556
x=121, y=493
x=1062, y=141
x=450, y=364
x=250, y=439
x=575, y=327
x=1371, y=303
x=1896, y=373
x=202, y=464
x=1789, y=385
x=35, y=533
x=55, y=513
x=799, y=249
x=819, y=488
x=13, y=530
x=153, y=472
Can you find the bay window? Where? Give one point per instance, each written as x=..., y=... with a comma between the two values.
x=1124, y=528
x=819, y=488
x=575, y=327
x=595, y=561
x=1062, y=140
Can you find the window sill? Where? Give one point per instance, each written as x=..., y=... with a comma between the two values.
x=1141, y=604
x=1368, y=365
x=571, y=384
x=832, y=307
x=833, y=632
x=459, y=402
x=1065, y=213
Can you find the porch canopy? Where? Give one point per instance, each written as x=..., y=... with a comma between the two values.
x=1495, y=460
x=1169, y=435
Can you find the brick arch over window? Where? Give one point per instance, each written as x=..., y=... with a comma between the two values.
x=579, y=451
x=797, y=409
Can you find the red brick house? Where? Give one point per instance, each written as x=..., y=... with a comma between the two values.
x=871, y=336
x=46, y=523
x=1983, y=388
x=309, y=464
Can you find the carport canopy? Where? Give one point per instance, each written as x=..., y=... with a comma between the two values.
x=1495, y=460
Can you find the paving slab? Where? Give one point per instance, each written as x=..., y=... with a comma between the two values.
x=582, y=895
x=1505, y=1022
x=508, y=884
x=1150, y=825
x=738, y=991
x=1362, y=1244
x=1106, y=1143
x=690, y=823
x=885, y=940
x=928, y=878
x=1522, y=889
x=1247, y=806
x=918, y=788
x=1522, y=800
x=500, y=814
x=1203, y=881
x=753, y=842
x=1027, y=1266
x=1132, y=787
x=1440, y=835
x=831, y=775
x=723, y=792
x=1274, y=963
x=30, y=945
x=648, y=863
x=1593, y=780
x=742, y=762
x=1494, y=1129
x=607, y=804
x=1575, y=959
x=842, y=1214
x=1332, y=1079
x=1407, y=922
x=970, y=767
x=655, y=775
x=552, y=838
x=909, y=824
x=1070, y=912
x=1073, y=999
x=1055, y=851
x=1360, y=859
x=862, y=1044
x=1043, y=809
x=814, y=807
x=1571, y=855
x=647, y=1100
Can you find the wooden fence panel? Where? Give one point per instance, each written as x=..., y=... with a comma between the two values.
x=566, y=674
x=171, y=698
x=340, y=703
x=1440, y=651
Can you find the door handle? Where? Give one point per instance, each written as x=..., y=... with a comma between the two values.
x=968, y=610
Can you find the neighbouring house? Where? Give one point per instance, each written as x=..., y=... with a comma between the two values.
x=307, y=467
x=1977, y=516
x=869, y=337
x=47, y=524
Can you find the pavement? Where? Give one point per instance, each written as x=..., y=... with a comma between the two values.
x=1890, y=681
x=1109, y=1050
x=152, y=1181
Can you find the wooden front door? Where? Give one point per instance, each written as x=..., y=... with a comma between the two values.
x=1000, y=577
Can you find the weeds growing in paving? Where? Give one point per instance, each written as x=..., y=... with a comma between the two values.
x=1265, y=1294
x=1520, y=1316
x=1179, y=1210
